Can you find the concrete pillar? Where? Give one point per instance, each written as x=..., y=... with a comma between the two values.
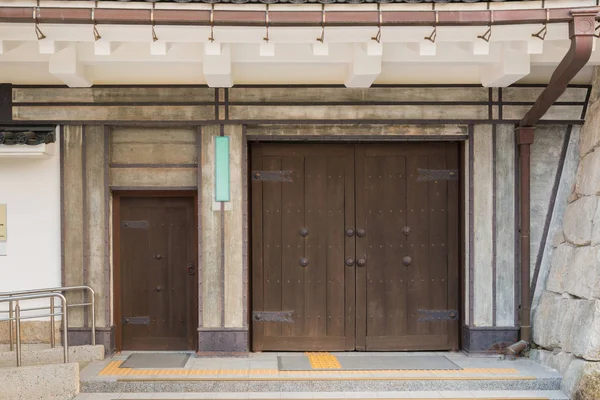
x=72, y=217
x=223, y=290
x=489, y=318
x=86, y=239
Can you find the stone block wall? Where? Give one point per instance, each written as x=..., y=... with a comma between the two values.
x=566, y=321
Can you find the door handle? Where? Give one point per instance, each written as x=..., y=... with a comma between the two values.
x=304, y=262
x=349, y=262
x=407, y=260
x=361, y=233
x=361, y=262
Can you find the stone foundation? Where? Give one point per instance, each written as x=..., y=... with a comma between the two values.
x=31, y=332
x=566, y=321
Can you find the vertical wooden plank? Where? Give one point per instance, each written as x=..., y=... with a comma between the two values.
x=335, y=247
x=315, y=293
x=191, y=260
x=73, y=217
x=293, y=245
x=505, y=222
x=95, y=208
x=234, y=285
x=361, y=248
x=350, y=249
x=375, y=237
x=257, y=249
x=148, y=255
x=453, y=245
x=417, y=203
x=211, y=234
x=134, y=255
x=483, y=212
x=272, y=245
x=438, y=230
x=393, y=223
x=177, y=295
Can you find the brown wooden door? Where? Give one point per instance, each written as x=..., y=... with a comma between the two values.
x=303, y=272
x=361, y=289
x=157, y=273
x=408, y=210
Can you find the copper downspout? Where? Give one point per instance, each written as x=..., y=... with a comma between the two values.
x=525, y=136
x=581, y=32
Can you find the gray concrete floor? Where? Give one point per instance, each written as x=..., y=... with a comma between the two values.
x=496, y=395
x=265, y=365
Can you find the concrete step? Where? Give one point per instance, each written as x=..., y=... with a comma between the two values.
x=392, y=395
x=313, y=384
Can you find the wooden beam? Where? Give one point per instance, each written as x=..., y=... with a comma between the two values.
x=364, y=68
x=514, y=64
x=65, y=66
x=217, y=68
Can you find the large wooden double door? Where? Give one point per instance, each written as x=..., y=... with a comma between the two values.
x=355, y=247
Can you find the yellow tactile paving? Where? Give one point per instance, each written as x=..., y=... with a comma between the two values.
x=339, y=378
x=323, y=360
x=113, y=369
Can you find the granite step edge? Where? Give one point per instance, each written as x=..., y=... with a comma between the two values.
x=113, y=386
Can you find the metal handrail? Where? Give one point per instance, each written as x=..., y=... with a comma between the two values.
x=52, y=314
x=17, y=318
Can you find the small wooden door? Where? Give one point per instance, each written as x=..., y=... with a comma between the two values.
x=157, y=281
x=407, y=246
x=300, y=212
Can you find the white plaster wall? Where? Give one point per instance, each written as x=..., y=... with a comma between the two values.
x=31, y=189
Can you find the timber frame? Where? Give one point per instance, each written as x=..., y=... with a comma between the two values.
x=195, y=105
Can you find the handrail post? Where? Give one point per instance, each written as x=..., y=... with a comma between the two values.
x=93, y=311
x=18, y=332
x=10, y=325
x=52, y=334
x=65, y=325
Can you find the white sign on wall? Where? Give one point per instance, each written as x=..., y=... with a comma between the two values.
x=3, y=230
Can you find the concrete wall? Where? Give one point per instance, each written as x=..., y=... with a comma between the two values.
x=31, y=189
x=491, y=254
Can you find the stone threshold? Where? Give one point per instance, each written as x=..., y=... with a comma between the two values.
x=446, y=395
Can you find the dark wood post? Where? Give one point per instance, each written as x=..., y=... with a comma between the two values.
x=525, y=137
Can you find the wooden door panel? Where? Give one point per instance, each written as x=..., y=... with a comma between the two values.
x=380, y=189
x=293, y=284
x=406, y=270
x=156, y=247
x=272, y=252
x=318, y=293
